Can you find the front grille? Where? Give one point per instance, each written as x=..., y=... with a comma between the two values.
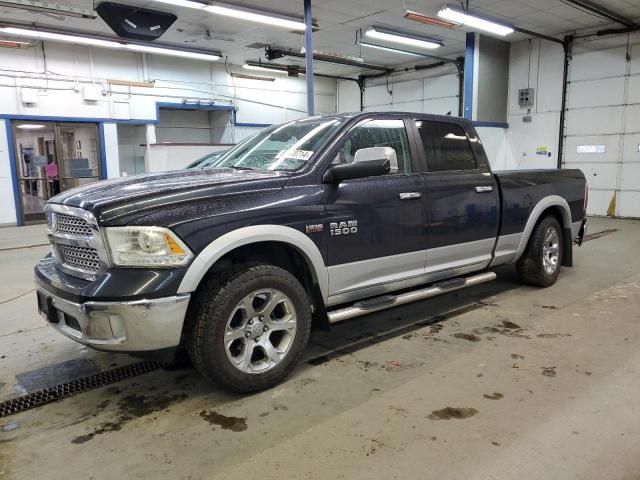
x=84, y=258
x=73, y=225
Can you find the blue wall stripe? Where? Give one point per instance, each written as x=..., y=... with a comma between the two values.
x=103, y=152
x=14, y=173
x=468, y=75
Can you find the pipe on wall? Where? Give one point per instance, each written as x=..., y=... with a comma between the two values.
x=563, y=105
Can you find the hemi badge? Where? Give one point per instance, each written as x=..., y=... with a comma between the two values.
x=314, y=228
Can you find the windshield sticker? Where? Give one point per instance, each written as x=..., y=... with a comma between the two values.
x=295, y=154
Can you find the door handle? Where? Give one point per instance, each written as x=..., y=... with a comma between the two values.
x=484, y=188
x=410, y=195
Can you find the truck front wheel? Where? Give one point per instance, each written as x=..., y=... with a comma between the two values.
x=248, y=332
x=540, y=263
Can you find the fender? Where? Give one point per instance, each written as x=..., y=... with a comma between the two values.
x=536, y=213
x=254, y=234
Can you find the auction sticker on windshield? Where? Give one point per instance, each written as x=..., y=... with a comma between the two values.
x=295, y=154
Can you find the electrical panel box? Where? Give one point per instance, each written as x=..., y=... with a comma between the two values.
x=526, y=97
x=91, y=93
x=29, y=96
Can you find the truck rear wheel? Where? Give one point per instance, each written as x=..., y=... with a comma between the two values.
x=540, y=263
x=249, y=331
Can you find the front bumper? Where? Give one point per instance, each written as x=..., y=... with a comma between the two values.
x=127, y=326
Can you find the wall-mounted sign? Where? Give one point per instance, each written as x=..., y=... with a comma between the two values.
x=544, y=151
x=591, y=149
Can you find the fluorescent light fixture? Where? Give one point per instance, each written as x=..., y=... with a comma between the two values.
x=473, y=21
x=241, y=13
x=60, y=37
x=389, y=49
x=172, y=52
x=96, y=42
x=402, y=38
x=263, y=69
x=255, y=16
x=30, y=126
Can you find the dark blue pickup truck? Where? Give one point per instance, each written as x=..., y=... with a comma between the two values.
x=306, y=223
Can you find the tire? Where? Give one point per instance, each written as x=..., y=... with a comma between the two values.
x=540, y=263
x=248, y=332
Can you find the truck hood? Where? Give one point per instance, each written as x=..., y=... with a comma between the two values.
x=112, y=200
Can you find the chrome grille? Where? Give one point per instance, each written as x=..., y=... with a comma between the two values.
x=73, y=225
x=84, y=258
x=76, y=241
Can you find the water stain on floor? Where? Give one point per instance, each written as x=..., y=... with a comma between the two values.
x=235, y=424
x=553, y=335
x=549, y=371
x=448, y=413
x=470, y=337
x=129, y=408
x=493, y=396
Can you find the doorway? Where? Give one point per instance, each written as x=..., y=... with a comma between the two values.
x=52, y=157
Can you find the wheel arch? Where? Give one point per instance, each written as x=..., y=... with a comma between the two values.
x=554, y=205
x=244, y=237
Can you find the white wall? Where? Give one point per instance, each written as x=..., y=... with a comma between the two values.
x=536, y=64
x=58, y=85
x=428, y=91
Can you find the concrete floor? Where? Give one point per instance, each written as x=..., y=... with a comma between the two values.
x=501, y=381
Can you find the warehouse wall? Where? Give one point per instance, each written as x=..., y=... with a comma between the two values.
x=602, y=129
x=58, y=74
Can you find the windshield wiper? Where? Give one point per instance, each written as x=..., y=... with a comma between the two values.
x=235, y=167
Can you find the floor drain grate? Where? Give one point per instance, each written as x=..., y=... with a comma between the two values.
x=68, y=389
x=593, y=236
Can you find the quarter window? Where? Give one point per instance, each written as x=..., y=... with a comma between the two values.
x=378, y=133
x=446, y=146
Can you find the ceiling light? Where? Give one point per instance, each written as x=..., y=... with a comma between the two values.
x=403, y=38
x=30, y=126
x=422, y=18
x=60, y=37
x=389, y=49
x=249, y=66
x=253, y=77
x=97, y=42
x=256, y=16
x=172, y=52
x=241, y=13
x=473, y=21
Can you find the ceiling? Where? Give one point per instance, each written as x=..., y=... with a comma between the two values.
x=338, y=21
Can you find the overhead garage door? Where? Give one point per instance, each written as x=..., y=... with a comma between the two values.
x=603, y=123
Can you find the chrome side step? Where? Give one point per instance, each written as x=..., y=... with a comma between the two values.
x=388, y=301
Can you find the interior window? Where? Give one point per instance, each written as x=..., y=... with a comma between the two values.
x=446, y=146
x=378, y=133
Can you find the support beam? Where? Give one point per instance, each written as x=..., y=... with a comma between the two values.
x=308, y=54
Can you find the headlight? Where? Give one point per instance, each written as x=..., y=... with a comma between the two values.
x=146, y=247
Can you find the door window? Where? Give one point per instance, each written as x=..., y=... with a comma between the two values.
x=378, y=133
x=446, y=146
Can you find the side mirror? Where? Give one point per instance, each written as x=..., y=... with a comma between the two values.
x=378, y=153
x=361, y=169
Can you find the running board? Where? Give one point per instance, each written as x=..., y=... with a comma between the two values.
x=388, y=301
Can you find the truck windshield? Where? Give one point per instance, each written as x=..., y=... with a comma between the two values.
x=285, y=147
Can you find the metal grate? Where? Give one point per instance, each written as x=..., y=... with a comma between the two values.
x=84, y=258
x=73, y=225
x=52, y=394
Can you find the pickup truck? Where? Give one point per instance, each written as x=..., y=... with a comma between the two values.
x=306, y=223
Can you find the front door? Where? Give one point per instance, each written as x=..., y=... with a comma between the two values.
x=376, y=224
x=50, y=158
x=461, y=200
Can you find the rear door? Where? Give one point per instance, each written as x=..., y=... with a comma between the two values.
x=461, y=199
x=376, y=224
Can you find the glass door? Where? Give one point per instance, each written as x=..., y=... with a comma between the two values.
x=79, y=154
x=50, y=158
